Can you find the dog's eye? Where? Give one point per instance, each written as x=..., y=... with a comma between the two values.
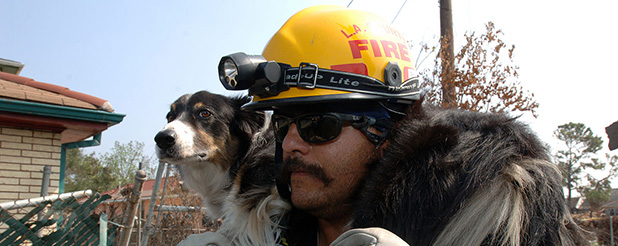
x=205, y=114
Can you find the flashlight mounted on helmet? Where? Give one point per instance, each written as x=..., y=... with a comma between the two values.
x=240, y=71
x=264, y=79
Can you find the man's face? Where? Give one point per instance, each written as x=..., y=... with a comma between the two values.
x=323, y=177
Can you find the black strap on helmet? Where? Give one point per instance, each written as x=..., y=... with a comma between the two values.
x=310, y=76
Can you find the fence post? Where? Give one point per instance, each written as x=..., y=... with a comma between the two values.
x=611, y=228
x=167, y=175
x=45, y=185
x=103, y=230
x=132, y=202
x=148, y=229
x=44, y=192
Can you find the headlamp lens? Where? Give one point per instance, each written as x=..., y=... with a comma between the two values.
x=230, y=71
x=238, y=71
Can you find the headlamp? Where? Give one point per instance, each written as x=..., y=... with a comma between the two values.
x=238, y=71
x=263, y=78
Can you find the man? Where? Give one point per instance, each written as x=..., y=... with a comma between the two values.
x=331, y=114
x=356, y=149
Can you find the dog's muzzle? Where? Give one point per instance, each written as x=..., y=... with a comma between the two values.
x=165, y=139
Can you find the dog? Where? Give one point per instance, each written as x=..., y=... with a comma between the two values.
x=451, y=177
x=226, y=155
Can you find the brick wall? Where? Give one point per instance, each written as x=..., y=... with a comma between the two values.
x=23, y=155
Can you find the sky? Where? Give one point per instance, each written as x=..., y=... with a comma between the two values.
x=142, y=55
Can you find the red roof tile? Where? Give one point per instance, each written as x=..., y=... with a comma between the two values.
x=27, y=89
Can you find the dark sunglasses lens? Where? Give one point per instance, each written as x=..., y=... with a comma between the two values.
x=281, y=124
x=319, y=128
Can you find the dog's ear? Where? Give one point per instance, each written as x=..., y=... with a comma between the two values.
x=247, y=121
x=250, y=122
x=176, y=107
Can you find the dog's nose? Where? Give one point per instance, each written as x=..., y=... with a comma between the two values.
x=165, y=139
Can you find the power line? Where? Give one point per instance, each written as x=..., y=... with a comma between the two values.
x=404, y=3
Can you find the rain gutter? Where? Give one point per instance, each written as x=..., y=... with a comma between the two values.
x=50, y=110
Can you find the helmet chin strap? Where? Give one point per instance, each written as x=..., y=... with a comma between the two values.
x=282, y=188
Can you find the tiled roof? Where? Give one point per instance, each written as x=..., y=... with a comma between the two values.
x=27, y=89
x=118, y=195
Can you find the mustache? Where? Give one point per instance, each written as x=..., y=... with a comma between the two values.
x=297, y=165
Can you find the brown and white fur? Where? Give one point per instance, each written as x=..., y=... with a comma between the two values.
x=226, y=155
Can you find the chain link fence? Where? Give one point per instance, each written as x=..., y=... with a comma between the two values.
x=161, y=214
x=54, y=220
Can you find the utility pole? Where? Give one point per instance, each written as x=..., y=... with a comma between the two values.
x=447, y=54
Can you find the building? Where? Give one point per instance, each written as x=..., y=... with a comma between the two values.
x=38, y=123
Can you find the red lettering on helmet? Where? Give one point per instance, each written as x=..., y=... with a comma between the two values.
x=346, y=35
x=356, y=46
x=358, y=68
x=389, y=48
x=356, y=31
x=403, y=50
x=376, y=48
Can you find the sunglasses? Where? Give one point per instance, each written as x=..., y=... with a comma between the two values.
x=314, y=128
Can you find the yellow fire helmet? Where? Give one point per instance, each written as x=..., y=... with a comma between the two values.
x=326, y=54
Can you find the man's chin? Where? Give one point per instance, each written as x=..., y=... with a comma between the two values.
x=303, y=201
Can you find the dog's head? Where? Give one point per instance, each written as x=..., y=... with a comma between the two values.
x=206, y=127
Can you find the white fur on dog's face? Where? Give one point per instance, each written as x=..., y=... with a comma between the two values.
x=184, y=151
x=198, y=131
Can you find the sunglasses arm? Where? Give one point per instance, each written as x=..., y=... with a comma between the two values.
x=364, y=124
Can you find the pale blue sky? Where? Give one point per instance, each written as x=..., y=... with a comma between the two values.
x=142, y=55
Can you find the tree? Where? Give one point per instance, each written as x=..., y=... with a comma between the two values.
x=85, y=171
x=580, y=143
x=107, y=171
x=598, y=191
x=124, y=160
x=483, y=78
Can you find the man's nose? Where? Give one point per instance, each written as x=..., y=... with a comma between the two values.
x=293, y=144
